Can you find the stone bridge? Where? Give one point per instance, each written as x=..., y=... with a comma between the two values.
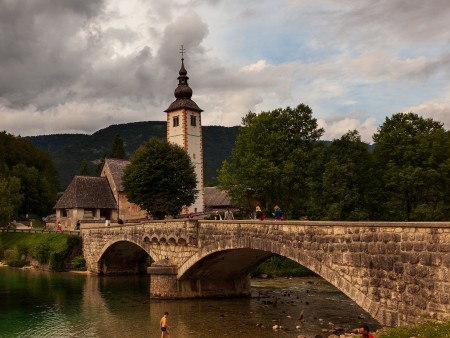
x=398, y=272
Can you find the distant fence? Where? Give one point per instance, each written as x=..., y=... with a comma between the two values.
x=42, y=231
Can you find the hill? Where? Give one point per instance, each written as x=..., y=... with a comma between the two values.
x=68, y=151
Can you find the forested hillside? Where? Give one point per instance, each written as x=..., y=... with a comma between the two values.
x=28, y=179
x=68, y=151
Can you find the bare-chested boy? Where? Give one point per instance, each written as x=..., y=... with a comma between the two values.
x=164, y=325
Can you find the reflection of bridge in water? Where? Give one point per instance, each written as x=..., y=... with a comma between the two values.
x=398, y=272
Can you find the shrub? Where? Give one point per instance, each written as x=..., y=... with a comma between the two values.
x=41, y=252
x=281, y=267
x=12, y=258
x=56, y=262
x=79, y=263
x=23, y=249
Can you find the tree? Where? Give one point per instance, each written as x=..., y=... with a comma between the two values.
x=84, y=169
x=100, y=165
x=343, y=188
x=117, y=150
x=160, y=178
x=35, y=171
x=271, y=157
x=414, y=156
x=10, y=199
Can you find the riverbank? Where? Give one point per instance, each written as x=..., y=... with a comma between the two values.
x=44, y=251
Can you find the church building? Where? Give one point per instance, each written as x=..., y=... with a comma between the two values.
x=103, y=198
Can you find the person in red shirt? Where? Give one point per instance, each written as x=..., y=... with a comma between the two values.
x=364, y=332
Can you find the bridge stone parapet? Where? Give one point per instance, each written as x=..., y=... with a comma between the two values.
x=398, y=272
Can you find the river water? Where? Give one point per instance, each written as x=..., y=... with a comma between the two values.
x=41, y=304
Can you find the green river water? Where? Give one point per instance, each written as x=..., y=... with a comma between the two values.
x=41, y=304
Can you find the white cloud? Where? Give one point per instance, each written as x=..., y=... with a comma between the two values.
x=337, y=128
x=256, y=67
x=437, y=110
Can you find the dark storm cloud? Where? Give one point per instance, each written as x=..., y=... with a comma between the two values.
x=41, y=48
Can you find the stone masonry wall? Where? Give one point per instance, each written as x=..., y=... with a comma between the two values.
x=398, y=272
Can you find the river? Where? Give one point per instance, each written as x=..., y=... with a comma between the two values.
x=41, y=304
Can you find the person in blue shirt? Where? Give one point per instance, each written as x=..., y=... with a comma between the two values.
x=278, y=214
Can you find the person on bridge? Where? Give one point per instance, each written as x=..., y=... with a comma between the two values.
x=217, y=216
x=228, y=215
x=259, y=214
x=164, y=325
x=278, y=214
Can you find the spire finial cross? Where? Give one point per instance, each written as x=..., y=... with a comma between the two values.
x=182, y=51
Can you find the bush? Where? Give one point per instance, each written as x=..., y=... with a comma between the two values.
x=41, y=252
x=23, y=249
x=12, y=258
x=79, y=263
x=281, y=267
x=56, y=262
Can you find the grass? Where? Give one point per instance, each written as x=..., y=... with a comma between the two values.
x=424, y=330
x=52, y=249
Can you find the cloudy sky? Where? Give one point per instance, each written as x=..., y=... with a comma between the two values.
x=76, y=66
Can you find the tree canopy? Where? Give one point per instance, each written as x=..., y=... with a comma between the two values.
x=160, y=178
x=271, y=157
x=414, y=158
x=279, y=159
x=21, y=164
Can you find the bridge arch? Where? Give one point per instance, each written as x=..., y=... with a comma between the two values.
x=233, y=260
x=124, y=256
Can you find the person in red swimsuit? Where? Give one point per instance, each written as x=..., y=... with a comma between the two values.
x=364, y=332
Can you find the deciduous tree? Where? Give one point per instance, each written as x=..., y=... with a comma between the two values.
x=414, y=154
x=344, y=187
x=271, y=157
x=160, y=179
x=10, y=199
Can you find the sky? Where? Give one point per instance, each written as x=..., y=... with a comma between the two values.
x=77, y=66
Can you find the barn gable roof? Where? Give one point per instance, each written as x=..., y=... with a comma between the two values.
x=117, y=167
x=215, y=198
x=87, y=192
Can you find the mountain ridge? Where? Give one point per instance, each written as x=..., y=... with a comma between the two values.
x=68, y=151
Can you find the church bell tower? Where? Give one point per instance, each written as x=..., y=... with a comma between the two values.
x=184, y=128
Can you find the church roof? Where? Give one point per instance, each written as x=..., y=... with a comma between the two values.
x=183, y=93
x=215, y=198
x=183, y=103
x=87, y=192
x=117, y=167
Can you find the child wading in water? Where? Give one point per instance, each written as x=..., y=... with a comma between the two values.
x=164, y=325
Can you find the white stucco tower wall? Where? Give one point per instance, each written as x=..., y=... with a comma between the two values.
x=184, y=127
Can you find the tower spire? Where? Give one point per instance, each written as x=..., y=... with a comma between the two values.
x=183, y=92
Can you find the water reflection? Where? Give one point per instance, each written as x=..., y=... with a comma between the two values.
x=37, y=304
